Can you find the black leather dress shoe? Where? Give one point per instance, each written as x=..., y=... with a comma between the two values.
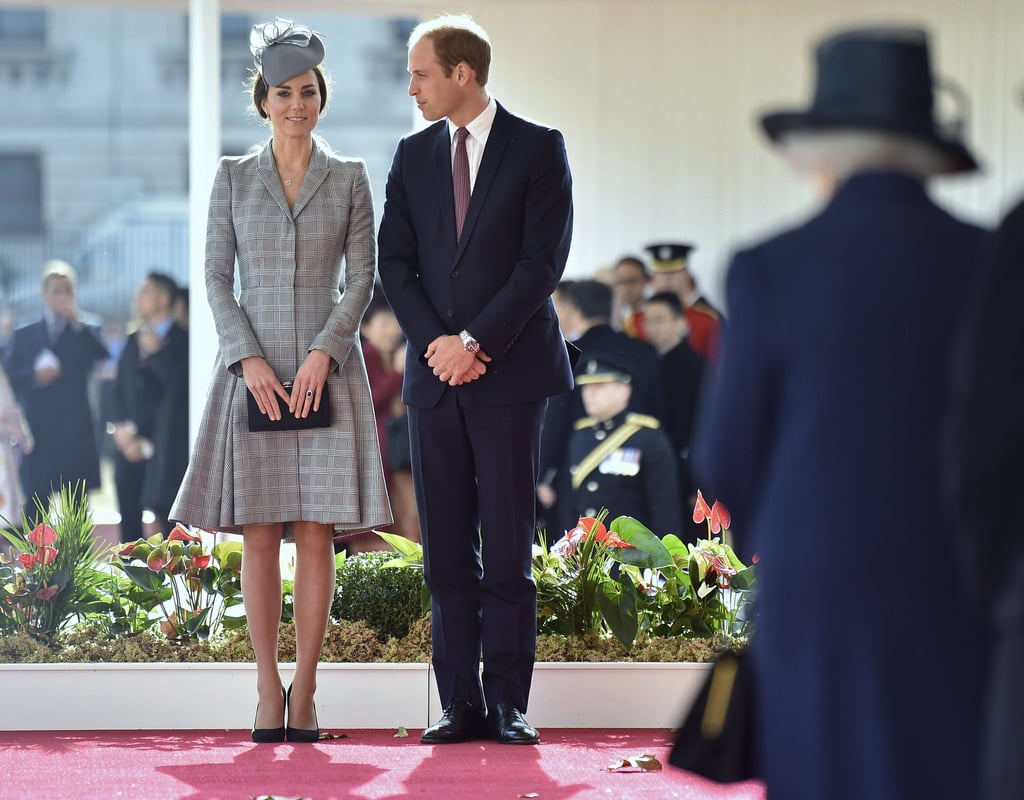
x=508, y=726
x=461, y=722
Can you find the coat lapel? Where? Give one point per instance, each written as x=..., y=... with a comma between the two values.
x=268, y=174
x=494, y=150
x=315, y=175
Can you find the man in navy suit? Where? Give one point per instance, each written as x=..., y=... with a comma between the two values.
x=49, y=364
x=471, y=287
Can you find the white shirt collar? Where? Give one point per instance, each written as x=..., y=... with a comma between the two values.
x=480, y=127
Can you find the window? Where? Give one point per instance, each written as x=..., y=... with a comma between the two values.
x=21, y=202
x=22, y=26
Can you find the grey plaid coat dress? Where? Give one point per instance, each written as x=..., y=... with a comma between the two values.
x=289, y=265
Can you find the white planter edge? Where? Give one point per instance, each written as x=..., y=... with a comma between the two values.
x=204, y=696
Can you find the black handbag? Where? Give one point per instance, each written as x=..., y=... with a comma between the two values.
x=259, y=421
x=718, y=737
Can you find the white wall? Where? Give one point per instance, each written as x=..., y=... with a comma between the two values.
x=658, y=102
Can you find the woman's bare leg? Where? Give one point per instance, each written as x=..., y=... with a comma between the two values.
x=314, y=592
x=261, y=594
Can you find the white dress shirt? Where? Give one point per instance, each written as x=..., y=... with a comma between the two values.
x=479, y=129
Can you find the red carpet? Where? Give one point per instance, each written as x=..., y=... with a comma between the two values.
x=368, y=765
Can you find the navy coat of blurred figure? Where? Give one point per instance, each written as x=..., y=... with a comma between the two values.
x=822, y=435
x=59, y=415
x=988, y=472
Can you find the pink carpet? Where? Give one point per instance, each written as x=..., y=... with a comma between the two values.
x=367, y=765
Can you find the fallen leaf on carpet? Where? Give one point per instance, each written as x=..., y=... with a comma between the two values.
x=644, y=763
x=326, y=736
x=401, y=733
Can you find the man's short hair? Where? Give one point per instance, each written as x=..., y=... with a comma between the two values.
x=165, y=284
x=593, y=299
x=55, y=268
x=670, y=299
x=635, y=261
x=457, y=39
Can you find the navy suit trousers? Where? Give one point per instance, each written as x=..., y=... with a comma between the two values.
x=475, y=471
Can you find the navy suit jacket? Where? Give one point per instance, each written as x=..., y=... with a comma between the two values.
x=496, y=281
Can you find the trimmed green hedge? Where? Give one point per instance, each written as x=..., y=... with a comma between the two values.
x=388, y=600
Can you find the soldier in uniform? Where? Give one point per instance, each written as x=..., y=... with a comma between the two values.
x=672, y=274
x=621, y=461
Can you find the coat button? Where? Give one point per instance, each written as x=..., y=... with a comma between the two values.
x=591, y=487
x=599, y=435
x=451, y=313
x=455, y=273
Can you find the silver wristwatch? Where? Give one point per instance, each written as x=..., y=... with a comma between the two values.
x=468, y=342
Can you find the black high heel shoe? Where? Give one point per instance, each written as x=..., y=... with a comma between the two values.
x=269, y=735
x=302, y=734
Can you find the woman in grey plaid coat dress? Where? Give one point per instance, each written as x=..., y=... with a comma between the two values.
x=288, y=211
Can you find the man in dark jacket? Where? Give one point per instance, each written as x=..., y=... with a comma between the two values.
x=49, y=364
x=149, y=410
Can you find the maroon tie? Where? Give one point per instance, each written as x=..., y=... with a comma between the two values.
x=460, y=180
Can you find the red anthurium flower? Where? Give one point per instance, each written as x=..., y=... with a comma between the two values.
x=157, y=561
x=42, y=535
x=720, y=517
x=755, y=558
x=46, y=555
x=201, y=562
x=586, y=523
x=27, y=560
x=127, y=550
x=47, y=592
x=179, y=534
x=701, y=510
x=614, y=540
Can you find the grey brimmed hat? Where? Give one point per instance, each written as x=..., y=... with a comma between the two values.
x=281, y=50
x=878, y=78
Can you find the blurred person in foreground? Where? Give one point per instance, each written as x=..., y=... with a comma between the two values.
x=822, y=435
x=293, y=212
x=987, y=449
x=50, y=364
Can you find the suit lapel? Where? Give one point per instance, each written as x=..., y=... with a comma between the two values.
x=494, y=150
x=442, y=168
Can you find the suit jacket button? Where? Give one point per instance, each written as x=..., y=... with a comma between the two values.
x=455, y=273
x=591, y=486
x=451, y=313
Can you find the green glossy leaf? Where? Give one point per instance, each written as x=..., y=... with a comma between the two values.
x=405, y=547
x=222, y=551
x=617, y=601
x=745, y=579
x=143, y=577
x=650, y=552
x=233, y=623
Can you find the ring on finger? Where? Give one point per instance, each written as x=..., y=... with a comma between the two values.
x=309, y=392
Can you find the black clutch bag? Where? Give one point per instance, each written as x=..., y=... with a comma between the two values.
x=718, y=738
x=259, y=421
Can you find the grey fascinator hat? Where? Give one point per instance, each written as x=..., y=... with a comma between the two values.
x=281, y=50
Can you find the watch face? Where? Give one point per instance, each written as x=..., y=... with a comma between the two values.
x=472, y=346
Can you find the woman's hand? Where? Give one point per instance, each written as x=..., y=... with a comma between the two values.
x=263, y=383
x=309, y=383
